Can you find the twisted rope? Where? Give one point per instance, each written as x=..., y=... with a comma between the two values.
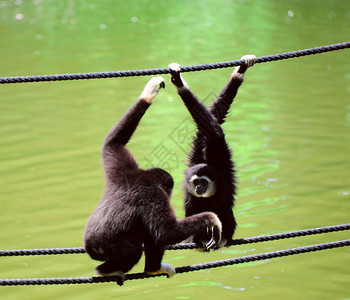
x=132, y=73
x=179, y=270
x=249, y=240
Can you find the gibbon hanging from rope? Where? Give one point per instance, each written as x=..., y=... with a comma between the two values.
x=210, y=183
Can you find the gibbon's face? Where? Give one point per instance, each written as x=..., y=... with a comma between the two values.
x=200, y=180
x=201, y=186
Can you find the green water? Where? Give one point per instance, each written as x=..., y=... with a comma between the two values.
x=289, y=128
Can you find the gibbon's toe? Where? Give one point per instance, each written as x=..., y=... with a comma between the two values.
x=101, y=272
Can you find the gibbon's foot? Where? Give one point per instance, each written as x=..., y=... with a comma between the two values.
x=102, y=270
x=176, y=78
x=166, y=269
x=249, y=61
x=119, y=274
x=215, y=231
x=221, y=244
x=152, y=88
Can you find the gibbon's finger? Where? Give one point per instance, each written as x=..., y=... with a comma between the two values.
x=249, y=59
x=215, y=237
x=161, y=86
x=217, y=233
x=210, y=244
x=156, y=84
x=174, y=68
x=152, y=88
x=175, y=75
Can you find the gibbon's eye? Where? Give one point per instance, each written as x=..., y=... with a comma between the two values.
x=200, y=182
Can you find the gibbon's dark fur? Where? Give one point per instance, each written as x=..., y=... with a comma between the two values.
x=135, y=212
x=210, y=155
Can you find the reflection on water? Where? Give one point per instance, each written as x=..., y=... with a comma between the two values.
x=289, y=130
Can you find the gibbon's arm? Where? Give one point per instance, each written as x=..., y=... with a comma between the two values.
x=164, y=229
x=123, y=130
x=220, y=106
x=205, y=121
x=113, y=150
x=209, y=145
x=121, y=133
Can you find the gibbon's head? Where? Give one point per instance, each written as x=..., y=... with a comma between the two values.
x=163, y=178
x=200, y=180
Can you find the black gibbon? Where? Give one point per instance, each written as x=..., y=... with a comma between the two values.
x=210, y=182
x=134, y=213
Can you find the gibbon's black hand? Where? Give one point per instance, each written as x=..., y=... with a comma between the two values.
x=175, y=75
x=249, y=61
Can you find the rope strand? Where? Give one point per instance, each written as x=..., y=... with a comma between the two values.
x=179, y=270
x=249, y=240
x=132, y=73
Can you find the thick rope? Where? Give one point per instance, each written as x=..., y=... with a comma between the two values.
x=131, y=73
x=249, y=240
x=179, y=270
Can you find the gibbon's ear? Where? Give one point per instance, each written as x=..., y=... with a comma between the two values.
x=163, y=178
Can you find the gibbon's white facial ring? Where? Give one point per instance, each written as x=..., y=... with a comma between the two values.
x=201, y=186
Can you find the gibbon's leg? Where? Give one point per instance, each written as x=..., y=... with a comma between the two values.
x=153, y=257
x=220, y=106
x=119, y=265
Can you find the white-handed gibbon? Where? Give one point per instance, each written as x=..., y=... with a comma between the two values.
x=210, y=182
x=134, y=214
